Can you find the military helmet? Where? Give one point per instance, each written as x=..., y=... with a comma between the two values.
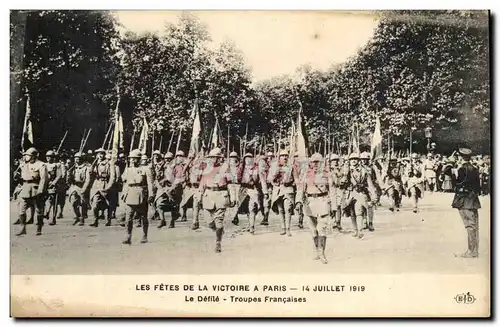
x=248, y=155
x=216, y=152
x=180, y=153
x=78, y=155
x=89, y=152
x=157, y=152
x=354, y=155
x=364, y=155
x=316, y=157
x=169, y=155
x=50, y=153
x=465, y=152
x=233, y=155
x=100, y=150
x=144, y=157
x=270, y=154
x=334, y=156
x=121, y=155
x=414, y=156
x=135, y=154
x=31, y=152
x=283, y=153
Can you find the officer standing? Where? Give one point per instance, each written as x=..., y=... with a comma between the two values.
x=315, y=195
x=138, y=193
x=253, y=185
x=216, y=197
x=466, y=200
x=283, y=175
x=103, y=176
x=79, y=178
x=34, y=177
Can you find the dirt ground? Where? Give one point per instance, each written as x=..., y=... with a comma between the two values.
x=403, y=242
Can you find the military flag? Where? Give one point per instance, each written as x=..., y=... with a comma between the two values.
x=143, y=140
x=27, y=137
x=194, y=147
x=376, y=146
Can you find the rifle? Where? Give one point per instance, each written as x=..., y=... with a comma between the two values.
x=62, y=141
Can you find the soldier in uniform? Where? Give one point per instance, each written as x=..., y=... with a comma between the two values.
x=466, y=200
x=79, y=178
x=430, y=173
x=191, y=190
x=253, y=185
x=179, y=171
x=336, y=191
x=113, y=193
x=215, y=194
x=144, y=160
x=234, y=184
x=315, y=195
x=34, y=177
x=54, y=176
x=62, y=187
x=264, y=166
x=373, y=189
x=103, y=177
x=283, y=175
x=138, y=192
x=357, y=200
x=393, y=184
x=157, y=169
x=300, y=166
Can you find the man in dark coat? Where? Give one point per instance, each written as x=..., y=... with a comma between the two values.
x=466, y=200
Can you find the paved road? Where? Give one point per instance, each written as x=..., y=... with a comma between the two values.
x=403, y=242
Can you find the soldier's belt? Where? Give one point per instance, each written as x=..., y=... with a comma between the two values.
x=217, y=188
x=136, y=185
x=317, y=195
x=30, y=181
x=250, y=186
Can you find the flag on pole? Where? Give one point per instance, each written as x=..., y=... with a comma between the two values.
x=120, y=130
x=194, y=147
x=302, y=142
x=116, y=132
x=215, y=136
x=27, y=137
x=376, y=146
x=143, y=140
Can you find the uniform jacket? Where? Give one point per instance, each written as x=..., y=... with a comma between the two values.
x=215, y=177
x=79, y=178
x=467, y=188
x=138, y=185
x=35, y=180
x=317, y=182
x=103, y=177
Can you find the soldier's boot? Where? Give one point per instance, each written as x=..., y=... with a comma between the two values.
x=78, y=215
x=109, y=216
x=60, y=211
x=39, y=224
x=357, y=233
x=218, y=239
x=236, y=219
x=251, y=222
x=17, y=222
x=96, y=218
x=145, y=226
x=282, y=223
x=22, y=221
x=338, y=216
x=172, y=221
x=471, y=244
x=364, y=223
x=316, y=247
x=322, y=247
x=370, y=214
x=288, y=223
x=196, y=219
x=84, y=215
x=161, y=214
x=128, y=236
x=265, y=220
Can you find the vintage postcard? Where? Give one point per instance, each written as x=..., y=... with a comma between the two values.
x=250, y=163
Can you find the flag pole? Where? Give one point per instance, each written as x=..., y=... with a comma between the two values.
x=171, y=140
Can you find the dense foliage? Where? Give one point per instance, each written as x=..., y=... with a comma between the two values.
x=421, y=69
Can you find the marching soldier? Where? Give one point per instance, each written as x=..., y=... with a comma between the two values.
x=192, y=191
x=62, y=187
x=54, y=176
x=34, y=177
x=357, y=200
x=138, y=193
x=79, y=178
x=253, y=185
x=466, y=200
x=157, y=169
x=283, y=175
x=113, y=193
x=234, y=183
x=314, y=193
x=373, y=189
x=264, y=165
x=103, y=176
x=301, y=169
x=393, y=184
x=179, y=171
x=215, y=194
x=169, y=194
x=336, y=191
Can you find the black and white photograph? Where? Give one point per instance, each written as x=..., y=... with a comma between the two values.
x=341, y=150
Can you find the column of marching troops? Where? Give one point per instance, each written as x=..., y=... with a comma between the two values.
x=324, y=189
